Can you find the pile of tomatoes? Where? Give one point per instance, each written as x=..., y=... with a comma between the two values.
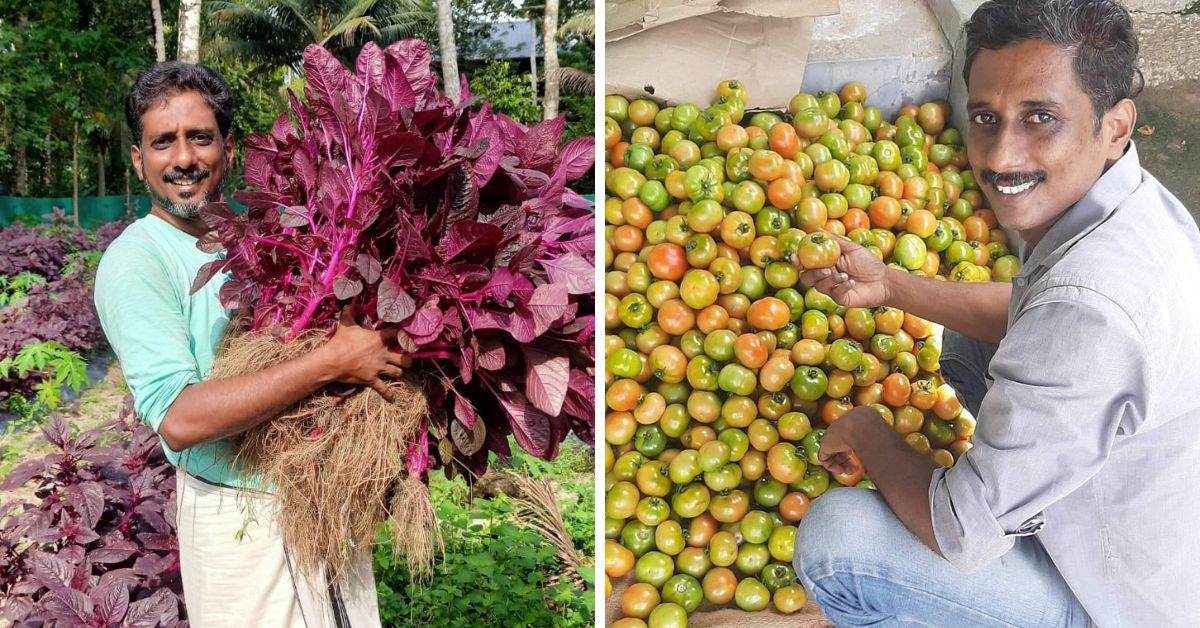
x=723, y=368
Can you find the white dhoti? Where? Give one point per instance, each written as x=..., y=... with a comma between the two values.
x=237, y=573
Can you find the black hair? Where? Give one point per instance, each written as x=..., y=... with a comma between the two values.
x=169, y=77
x=1098, y=32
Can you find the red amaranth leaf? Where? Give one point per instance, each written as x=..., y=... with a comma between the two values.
x=546, y=378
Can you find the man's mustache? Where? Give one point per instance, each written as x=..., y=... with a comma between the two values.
x=195, y=174
x=1013, y=179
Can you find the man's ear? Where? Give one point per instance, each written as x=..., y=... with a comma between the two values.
x=230, y=152
x=1117, y=127
x=135, y=154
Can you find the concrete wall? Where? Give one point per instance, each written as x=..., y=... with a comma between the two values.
x=862, y=43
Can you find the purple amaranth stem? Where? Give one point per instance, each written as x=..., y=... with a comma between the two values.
x=432, y=355
x=331, y=272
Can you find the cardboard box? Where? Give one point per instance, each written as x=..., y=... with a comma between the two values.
x=678, y=50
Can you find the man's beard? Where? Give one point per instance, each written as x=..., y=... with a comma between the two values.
x=187, y=211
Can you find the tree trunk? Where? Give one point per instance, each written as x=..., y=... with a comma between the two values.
x=550, y=49
x=46, y=169
x=101, y=189
x=128, y=196
x=533, y=59
x=75, y=173
x=448, y=50
x=189, y=31
x=160, y=46
x=20, y=185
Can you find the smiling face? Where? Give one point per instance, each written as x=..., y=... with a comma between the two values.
x=182, y=157
x=1032, y=134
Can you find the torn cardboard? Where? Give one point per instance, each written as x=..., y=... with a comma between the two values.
x=678, y=50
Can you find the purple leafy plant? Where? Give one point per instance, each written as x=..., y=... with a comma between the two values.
x=452, y=226
x=99, y=546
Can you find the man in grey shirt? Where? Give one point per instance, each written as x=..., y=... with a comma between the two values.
x=1080, y=500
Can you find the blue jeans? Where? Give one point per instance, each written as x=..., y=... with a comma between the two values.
x=964, y=365
x=863, y=567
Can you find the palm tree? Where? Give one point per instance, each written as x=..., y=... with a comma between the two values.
x=447, y=50
x=550, y=50
x=572, y=80
x=276, y=32
x=160, y=47
x=189, y=31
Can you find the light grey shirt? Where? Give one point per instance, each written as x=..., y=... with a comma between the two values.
x=1089, y=436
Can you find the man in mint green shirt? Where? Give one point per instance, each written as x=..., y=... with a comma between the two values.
x=165, y=338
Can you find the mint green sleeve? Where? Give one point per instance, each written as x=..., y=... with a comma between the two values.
x=141, y=311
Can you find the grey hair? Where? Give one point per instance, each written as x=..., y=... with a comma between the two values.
x=1098, y=32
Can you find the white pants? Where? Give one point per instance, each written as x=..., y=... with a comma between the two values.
x=236, y=572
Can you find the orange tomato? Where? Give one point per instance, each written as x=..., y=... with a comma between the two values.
x=768, y=313
x=896, y=389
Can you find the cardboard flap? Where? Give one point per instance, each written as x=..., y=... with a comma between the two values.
x=685, y=60
x=624, y=18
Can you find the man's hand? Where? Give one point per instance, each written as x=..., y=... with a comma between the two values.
x=859, y=279
x=838, y=445
x=360, y=356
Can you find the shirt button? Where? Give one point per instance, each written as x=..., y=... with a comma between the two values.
x=1020, y=281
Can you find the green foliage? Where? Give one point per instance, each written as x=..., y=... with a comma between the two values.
x=62, y=367
x=496, y=572
x=83, y=262
x=67, y=63
x=510, y=93
x=14, y=289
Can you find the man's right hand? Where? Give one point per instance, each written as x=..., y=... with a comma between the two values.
x=360, y=356
x=858, y=279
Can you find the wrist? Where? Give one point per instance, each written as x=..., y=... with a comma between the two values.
x=863, y=423
x=324, y=362
x=891, y=277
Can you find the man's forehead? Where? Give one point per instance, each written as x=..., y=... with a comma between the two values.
x=180, y=108
x=1029, y=72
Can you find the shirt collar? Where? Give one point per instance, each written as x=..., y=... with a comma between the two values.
x=1109, y=191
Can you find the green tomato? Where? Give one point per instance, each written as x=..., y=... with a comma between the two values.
x=885, y=346
x=703, y=373
x=635, y=311
x=811, y=444
x=765, y=120
x=638, y=156
x=624, y=363
x=769, y=492
x=683, y=116
x=778, y=575
x=700, y=183
x=654, y=194
x=751, y=595
x=684, y=590
x=814, y=483
x=756, y=526
x=660, y=167
x=845, y=354
x=691, y=500
x=649, y=440
x=940, y=239
x=816, y=300
x=809, y=383
x=910, y=251
x=654, y=568
x=684, y=467
x=638, y=538
x=913, y=155
x=737, y=379
x=752, y=557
